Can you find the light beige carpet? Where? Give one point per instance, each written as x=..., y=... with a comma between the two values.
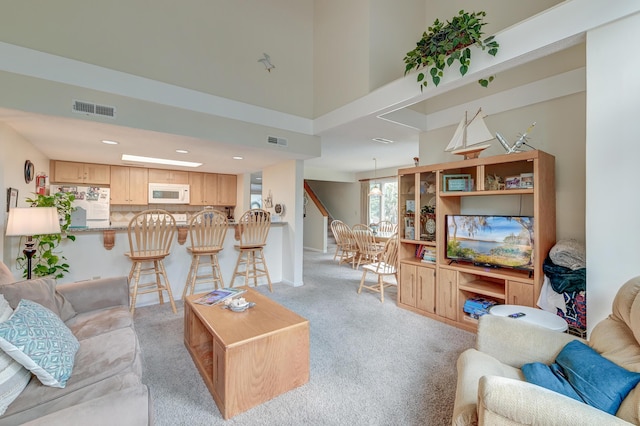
x=372, y=363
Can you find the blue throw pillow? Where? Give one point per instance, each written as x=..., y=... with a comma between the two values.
x=600, y=382
x=39, y=340
x=550, y=377
x=583, y=374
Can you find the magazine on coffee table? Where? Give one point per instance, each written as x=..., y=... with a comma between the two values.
x=216, y=296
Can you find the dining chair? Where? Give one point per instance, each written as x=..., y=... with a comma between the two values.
x=346, y=244
x=386, y=226
x=369, y=249
x=207, y=230
x=252, y=231
x=335, y=224
x=150, y=234
x=386, y=266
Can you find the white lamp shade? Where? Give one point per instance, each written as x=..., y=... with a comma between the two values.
x=27, y=221
x=375, y=191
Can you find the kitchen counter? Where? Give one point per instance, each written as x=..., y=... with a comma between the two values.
x=89, y=258
x=123, y=226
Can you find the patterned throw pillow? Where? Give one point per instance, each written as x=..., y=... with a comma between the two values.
x=13, y=376
x=39, y=340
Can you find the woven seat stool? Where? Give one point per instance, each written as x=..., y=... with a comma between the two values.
x=207, y=230
x=150, y=235
x=252, y=231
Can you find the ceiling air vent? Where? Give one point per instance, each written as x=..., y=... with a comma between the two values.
x=277, y=141
x=89, y=108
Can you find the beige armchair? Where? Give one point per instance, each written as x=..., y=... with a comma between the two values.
x=491, y=389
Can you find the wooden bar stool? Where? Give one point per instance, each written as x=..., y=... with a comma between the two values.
x=252, y=230
x=207, y=230
x=150, y=233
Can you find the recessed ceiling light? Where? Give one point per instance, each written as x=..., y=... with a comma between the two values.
x=182, y=151
x=383, y=140
x=127, y=157
x=110, y=142
x=237, y=157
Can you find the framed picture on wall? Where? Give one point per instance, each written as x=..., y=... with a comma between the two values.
x=12, y=198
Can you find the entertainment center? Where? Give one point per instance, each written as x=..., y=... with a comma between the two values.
x=482, y=194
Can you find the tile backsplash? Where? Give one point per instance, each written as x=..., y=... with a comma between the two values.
x=121, y=215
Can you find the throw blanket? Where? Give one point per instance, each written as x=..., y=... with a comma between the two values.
x=569, y=253
x=565, y=279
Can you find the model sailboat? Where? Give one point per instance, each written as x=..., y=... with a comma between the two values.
x=468, y=136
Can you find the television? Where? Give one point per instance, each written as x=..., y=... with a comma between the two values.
x=490, y=241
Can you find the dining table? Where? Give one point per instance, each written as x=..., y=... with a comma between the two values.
x=383, y=237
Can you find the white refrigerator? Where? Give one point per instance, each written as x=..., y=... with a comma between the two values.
x=91, y=203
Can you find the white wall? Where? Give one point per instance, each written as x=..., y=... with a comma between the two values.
x=341, y=53
x=285, y=181
x=315, y=228
x=210, y=46
x=560, y=131
x=612, y=152
x=342, y=200
x=14, y=151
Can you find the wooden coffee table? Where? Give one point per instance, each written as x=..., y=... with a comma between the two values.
x=247, y=358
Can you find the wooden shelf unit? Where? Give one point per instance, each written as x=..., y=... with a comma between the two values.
x=456, y=282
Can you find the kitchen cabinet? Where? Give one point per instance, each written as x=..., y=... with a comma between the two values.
x=226, y=190
x=212, y=189
x=83, y=173
x=168, y=176
x=129, y=185
x=204, y=189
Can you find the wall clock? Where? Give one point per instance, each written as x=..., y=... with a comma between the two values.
x=28, y=171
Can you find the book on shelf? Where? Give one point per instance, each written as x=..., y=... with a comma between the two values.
x=216, y=296
x=426, y=254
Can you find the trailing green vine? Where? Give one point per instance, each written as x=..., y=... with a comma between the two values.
x=47, y=261
x=446, y=43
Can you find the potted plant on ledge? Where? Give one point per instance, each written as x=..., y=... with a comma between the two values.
x=447, y=42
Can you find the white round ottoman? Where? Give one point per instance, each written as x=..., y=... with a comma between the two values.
x=532, y=316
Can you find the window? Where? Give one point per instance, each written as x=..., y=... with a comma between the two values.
x=384, y=207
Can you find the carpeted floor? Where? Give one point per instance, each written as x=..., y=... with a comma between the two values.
x=371, y=363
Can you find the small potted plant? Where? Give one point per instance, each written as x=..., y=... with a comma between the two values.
x=447, y=42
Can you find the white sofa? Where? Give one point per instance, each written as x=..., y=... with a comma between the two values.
x=491, y=389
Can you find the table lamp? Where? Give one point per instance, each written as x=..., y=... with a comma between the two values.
x=30, y=221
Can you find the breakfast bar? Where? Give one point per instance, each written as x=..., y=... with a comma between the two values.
x=89, y=258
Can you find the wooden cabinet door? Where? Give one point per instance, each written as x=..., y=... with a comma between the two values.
x=520, y=293
x=129, y=185
x=138, y=186
x=210, y=190
x=119, y=185
x=426, y=289
x=67, y=172
x=446, y=294
x=196, y=189
x=168, y=176
x=407, y=285
x=226, y=190
x=84, y=173
x=97, y=174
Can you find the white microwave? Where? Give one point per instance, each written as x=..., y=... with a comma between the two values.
x=168, y=193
